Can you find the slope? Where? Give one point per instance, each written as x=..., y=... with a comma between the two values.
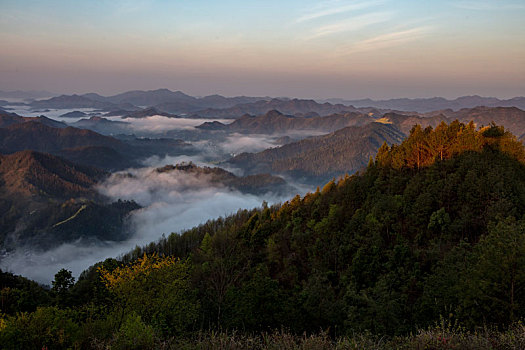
x=40, y=192
x=386, y=251
x=318, y=159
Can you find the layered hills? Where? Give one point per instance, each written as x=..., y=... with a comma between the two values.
x=172, y=101
x=103, y=125
x=216, y=106
x=82, y=145
x=7, y=119
x=254, y=184
x=386, y=251
x=423, y=105
x=317, y=159
x=71, y=101
x=291, y=107
x=275, y=122
x=46, y=200
x=162, y=99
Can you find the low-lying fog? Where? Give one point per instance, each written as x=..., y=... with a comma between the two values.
x=25, y=111
x=171, y=202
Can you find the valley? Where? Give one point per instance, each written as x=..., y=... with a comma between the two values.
x=144, y=171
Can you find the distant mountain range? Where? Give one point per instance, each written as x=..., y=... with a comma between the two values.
x=274, y=122
x=76, y=101
x=167, y=97
x=26, y=94
x=166, y=101
x=423, y=105
x=295, y=107
x=175, y=102
x=216, y=106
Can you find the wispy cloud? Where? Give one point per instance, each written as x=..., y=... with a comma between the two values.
x=388, y=40
x=351, y=24
x=484, y=5
x=329, y=8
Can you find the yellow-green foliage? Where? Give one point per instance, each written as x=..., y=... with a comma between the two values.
x=156, y=288
x=425, y=146
x=117, y=278
x=47, y=327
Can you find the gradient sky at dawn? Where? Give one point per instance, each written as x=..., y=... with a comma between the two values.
x=310, y=49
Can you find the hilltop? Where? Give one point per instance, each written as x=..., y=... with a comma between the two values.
x=254, y=184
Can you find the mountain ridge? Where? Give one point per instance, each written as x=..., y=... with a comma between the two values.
x=423, y=105
x=319, y=158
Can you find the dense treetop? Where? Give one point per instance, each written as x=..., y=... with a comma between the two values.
x=424, y=146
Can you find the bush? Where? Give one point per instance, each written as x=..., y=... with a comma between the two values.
x=46, y=327
x=134, y=334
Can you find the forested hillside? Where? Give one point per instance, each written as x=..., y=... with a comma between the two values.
x=318, y=159
x=41, y=193
x=433, y=229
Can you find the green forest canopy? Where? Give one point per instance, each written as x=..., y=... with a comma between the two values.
x=433, y=228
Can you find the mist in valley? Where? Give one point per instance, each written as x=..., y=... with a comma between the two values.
x=171, y=202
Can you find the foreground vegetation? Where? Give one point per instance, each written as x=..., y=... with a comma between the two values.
x=425, y=249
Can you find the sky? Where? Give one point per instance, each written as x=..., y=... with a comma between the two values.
x=298, y=48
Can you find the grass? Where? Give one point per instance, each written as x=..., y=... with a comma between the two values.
x=442, y=336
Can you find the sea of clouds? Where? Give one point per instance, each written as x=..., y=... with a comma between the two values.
x=171, y=202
